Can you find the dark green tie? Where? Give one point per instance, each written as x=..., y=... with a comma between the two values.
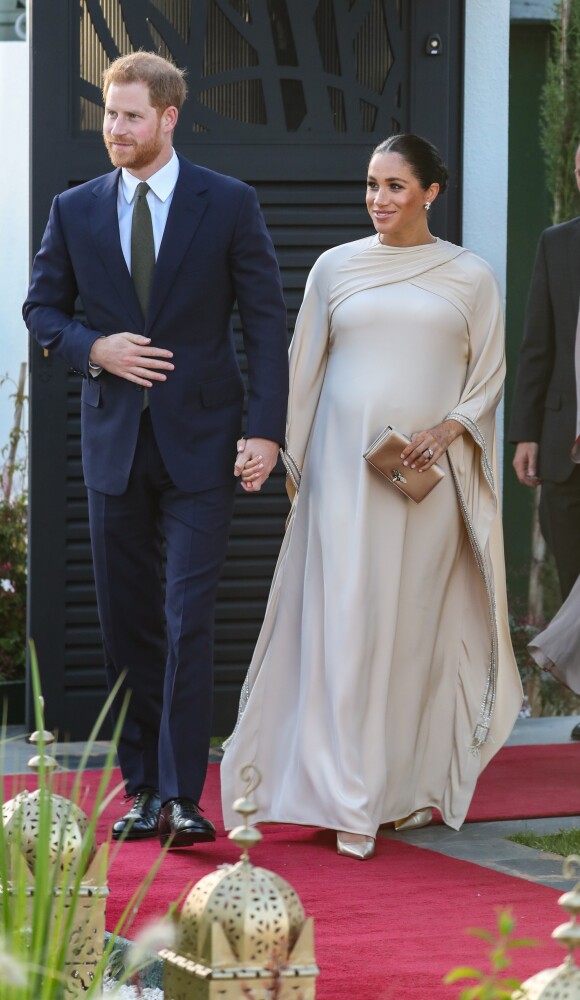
x=142, y=247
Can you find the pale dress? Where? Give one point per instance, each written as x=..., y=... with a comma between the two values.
x=369, y=677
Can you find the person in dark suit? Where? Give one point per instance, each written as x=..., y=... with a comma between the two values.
x=159, y=250
x=544, y=408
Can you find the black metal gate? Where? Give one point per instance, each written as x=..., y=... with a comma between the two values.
x=290, y=96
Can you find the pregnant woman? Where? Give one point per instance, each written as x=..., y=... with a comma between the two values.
x=383, y=679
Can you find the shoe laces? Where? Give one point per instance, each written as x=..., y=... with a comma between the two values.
x=141, y=797
x=184, y=802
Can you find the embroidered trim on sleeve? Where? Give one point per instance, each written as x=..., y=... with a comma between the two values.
x=479, y=440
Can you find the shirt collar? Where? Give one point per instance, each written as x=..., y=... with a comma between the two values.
x=162, y=182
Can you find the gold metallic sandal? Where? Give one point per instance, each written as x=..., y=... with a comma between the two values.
x=422, y=817
x=355, y=845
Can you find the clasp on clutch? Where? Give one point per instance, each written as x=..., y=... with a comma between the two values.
x=397, y=476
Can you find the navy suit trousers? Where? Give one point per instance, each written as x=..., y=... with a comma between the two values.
x=160, y=636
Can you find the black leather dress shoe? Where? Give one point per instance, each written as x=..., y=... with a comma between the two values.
x=142, y=818
x=181, y=821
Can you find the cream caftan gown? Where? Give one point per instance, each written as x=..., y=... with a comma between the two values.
x=383, y=678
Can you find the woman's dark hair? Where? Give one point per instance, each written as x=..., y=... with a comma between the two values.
x=421, y=156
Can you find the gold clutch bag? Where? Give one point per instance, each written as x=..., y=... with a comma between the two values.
x=384, y=455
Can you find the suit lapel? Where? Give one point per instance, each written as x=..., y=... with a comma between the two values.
x=105, y=231
x=188, y=205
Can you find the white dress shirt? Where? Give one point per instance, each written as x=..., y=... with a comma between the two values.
x=162, y=184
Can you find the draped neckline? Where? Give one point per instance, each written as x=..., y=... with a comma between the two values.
x=371, y=264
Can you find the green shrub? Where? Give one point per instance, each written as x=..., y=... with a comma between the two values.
x=560, y=113
x=493, y=984
x=37, y=928
x=13, y=548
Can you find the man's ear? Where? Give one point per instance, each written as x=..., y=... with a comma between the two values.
x=169, y=119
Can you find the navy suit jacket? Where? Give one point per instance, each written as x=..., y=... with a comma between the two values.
x=215, y=251
x=544, y=402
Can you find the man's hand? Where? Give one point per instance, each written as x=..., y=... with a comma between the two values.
x=526, y=463
x=129, y=356
x=256, y=459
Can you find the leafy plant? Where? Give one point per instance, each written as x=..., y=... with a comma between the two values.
x=13, y=542
x=13, y=548
x=560, y=111
x=36, y=926
x=492, y=985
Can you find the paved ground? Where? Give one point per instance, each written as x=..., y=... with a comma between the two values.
x=16, y=751
x=480, y=843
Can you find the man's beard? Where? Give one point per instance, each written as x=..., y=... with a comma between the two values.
x=136, y=155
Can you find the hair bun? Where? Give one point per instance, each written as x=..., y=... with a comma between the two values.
x=423, y=158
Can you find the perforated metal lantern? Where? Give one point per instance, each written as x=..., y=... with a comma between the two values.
x=68, y=827
x=562, y=983
x=242, y=929
x=62, y=845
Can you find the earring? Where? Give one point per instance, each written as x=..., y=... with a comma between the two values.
x=427, y=205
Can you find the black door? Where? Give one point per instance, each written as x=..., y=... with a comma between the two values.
x=291, y=96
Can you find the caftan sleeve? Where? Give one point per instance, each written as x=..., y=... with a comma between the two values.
x=473, y=454
x=486, y=367
x=473, y=461
x=308, y=359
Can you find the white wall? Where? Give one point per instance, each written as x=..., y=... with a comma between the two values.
x=14, y=218
x=485, y=131
x=485, y=137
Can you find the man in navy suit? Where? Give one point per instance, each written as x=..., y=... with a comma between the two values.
x=159, y=250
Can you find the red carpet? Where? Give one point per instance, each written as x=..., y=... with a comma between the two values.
x=388, y=929
x=526, y=782
x=391, y=928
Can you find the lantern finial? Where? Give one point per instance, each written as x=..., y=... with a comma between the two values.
x=247, y=836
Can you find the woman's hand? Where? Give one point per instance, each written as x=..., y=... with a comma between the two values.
x=251, y=473
x=427, y=447
x=256, y=459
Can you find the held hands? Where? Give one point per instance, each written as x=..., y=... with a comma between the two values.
x=426, y=447
x=129, y=356
x=525, y=462
x=256, y=459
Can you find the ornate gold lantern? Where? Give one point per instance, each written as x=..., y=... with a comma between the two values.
x=242, y=931
x=46, y=832
x=562, y=983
